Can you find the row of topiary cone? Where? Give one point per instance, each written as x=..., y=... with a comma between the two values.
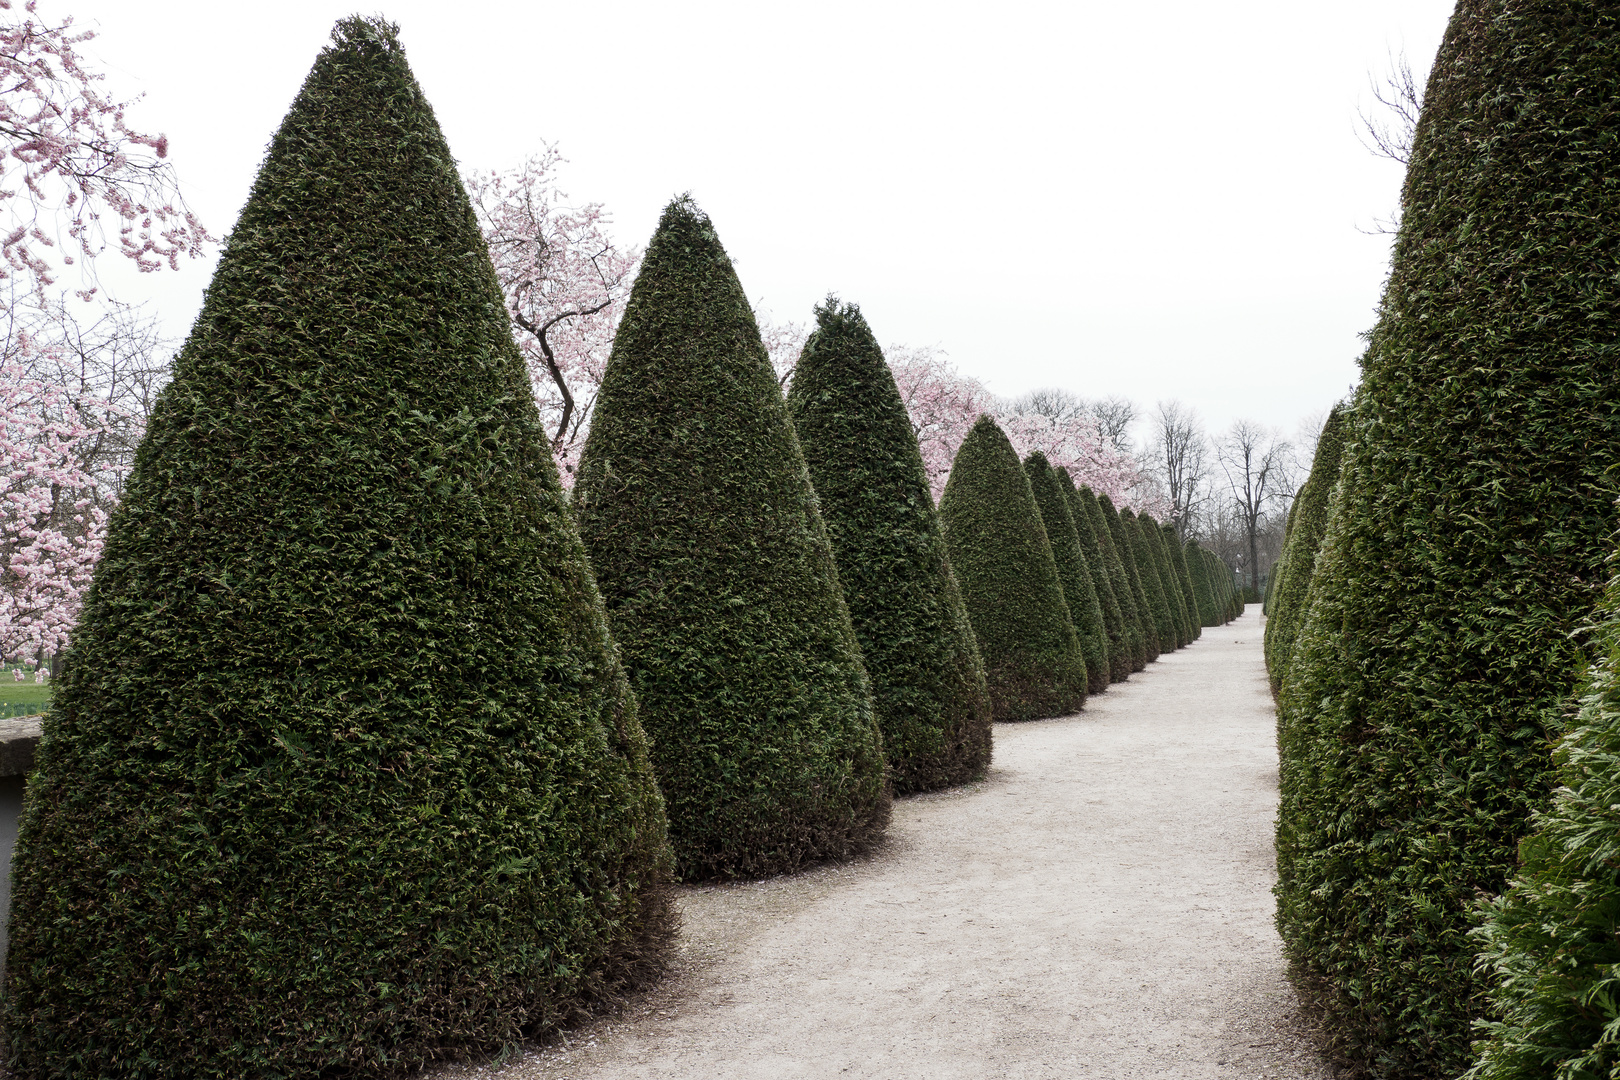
x=346, y=771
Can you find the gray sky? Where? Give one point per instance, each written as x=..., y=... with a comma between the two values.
x=1150, y=200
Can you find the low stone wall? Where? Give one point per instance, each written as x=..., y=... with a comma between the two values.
x=19, y=738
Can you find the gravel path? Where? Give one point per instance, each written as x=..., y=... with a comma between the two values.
x=1099, y=906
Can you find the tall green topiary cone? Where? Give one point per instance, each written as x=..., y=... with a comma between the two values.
x=1119, y=579
x=1178, y=568
x=1203, y=590
x=342, y=775
x=1293, y=574
x=1179, y=619
x=1550, y=942
x=1147, y=627
x=1003, y=561
x=1085, y=610
x=719, y=578
x=1119, y=650
x=1147, y=567
x=1466, y=550
x=928, y=687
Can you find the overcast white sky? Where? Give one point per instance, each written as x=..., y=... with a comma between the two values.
x=1159, y=201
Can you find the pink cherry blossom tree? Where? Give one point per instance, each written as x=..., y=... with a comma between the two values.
x=74, y=170
x=51, y=519
x=565, y=282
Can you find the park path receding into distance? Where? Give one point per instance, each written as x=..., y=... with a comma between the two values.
x=1099, y=906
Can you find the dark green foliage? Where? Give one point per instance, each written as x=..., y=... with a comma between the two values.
x=1291, y=577
x=1003, y=562
x=1146, y=625
x=342, y=774
x=1551, y=943
x=1147, y=566
x=928, y=688
x=1183, y=576
x=719, y=578
x=1203, y=589
x=1120, y=579
x=1180, y=621
x=1465, y=548
x=1119, y=650
x=1074, y=573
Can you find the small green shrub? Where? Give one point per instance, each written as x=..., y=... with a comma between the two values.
x=1152, y=583
x=1009, y=579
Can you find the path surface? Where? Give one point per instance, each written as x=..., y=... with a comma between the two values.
x=1100, y=906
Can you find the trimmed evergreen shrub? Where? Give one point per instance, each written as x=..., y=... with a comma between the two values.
x=1119, y=579
x=928, y=688
x=1551, y=943
x=1465, y=551
x=1179, y=619
x=1183, y=575
x=1152, y=582
x=1146, y=624
x=719, y=578
x=1307, y=522
x=1074, y=573
x=1119, y=654
x=1009, y=579
x=342, y=774
x=1203, y=590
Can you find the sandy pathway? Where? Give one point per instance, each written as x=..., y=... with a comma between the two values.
x=1100, y=907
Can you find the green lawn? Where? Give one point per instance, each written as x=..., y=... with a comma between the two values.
x=22, y=698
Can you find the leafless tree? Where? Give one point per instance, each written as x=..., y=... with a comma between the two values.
x=1388, y=130
x=1051, y=402
x=1400, y=100
x=1114, y=416
x=1178, y=452
x=1258, y=465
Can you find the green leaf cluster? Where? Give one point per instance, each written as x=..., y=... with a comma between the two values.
x=719, y=578
x=1003, y=561
x=1289, y=588
x=1467, y=536
x=928, y=686
x=342, y=774
x=1074, y=571
x=1550, y=945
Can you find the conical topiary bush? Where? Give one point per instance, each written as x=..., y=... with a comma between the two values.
x=1183, y=575
x=1179, y=622
x=1073, y=573
x=1464, y=557
x=1119, y=653
x=928, y=687
x=342, y=775
x=1152, y=582
x=1309, y=522
x=719, y=578
x=1120, y=579
x=1203, y=591
x=1147, y=625
x=1003, y=562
